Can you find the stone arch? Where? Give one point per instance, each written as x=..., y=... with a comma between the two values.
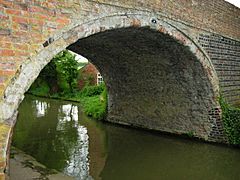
x=30, y=69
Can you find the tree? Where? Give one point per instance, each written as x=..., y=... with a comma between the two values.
x=67, y=68
x=49, y=74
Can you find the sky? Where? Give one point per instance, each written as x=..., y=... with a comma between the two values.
x=235, y=2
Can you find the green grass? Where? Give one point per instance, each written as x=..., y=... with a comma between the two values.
x=94, y=107
x=89, y=91
x=94, y=101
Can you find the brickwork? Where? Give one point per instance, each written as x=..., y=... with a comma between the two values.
x=151, y=83
x=88, y=75
x=23, y=29
x=217, y=16
x=25, y=26
x=32, y=32
x=217, y=131
x=225, y=55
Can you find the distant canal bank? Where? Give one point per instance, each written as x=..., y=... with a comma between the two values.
x=59, y=136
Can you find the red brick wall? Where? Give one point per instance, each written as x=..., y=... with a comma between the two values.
x=23, y=29
x=213, y=15
x=87, y=71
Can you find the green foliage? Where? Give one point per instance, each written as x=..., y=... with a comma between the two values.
x=190, y=134
x=67, y=68
x=89, y=91
x=49, y=74
x=46, y=81
x=231, y=120
x=59, y=80
x=60, y=75
x=94, y=101
x=39, y=88
x=94, y=107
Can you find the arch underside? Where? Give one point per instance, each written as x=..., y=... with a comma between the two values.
x=153, y=80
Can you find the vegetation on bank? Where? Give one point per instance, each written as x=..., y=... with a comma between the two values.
x=95, y=102
x=59, y=79
x=231, y=121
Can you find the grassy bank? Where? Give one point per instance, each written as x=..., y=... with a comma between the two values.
x=94, y=101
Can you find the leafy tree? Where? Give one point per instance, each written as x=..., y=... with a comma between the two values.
x=67, y=68
x=49, y=74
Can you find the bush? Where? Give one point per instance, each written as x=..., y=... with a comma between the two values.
x=231, y=121
x=60, y=74
x=39, y=88
x=95, y=105
x=89, y=91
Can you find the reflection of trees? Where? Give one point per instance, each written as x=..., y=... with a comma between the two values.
x=55, y=139
x=77, y=164
x=41, y=108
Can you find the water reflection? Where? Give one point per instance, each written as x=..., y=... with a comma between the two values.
x=78, y=165
x=40, y=107
x=65, y=139
x=68, y=112
x=54, y=135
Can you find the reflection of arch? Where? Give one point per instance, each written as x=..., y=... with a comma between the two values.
x=30, y=69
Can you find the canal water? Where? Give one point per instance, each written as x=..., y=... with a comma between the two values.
x=58, y=135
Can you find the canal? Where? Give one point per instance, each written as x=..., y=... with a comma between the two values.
x=59, y=136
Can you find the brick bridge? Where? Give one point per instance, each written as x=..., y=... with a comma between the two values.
x=164, y=62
